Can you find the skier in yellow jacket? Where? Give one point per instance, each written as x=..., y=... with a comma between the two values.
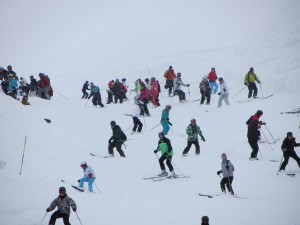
x=250, y=79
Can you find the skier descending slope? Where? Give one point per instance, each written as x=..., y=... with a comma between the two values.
x=117, y=139
x=227, y=170
x=88, y=176
x=63, y=203
x=164, y=121
x=165, y=147
x=287, y=147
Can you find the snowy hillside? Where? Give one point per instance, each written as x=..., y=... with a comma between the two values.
x=99, y=41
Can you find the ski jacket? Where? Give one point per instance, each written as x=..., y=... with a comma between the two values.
x=227, y=172
x=251, y=78
x=12, y=85
x=118, y=134
x=63, y=204
x=164, y=116
x=110, y=85
x=204, y=86
x=145, y=94
x=223, y=88
x=253, y=133
x=154, y=88
x=85, y=87
x=177, y=84
x=43, y=82
x=123, y=88
x=254, y=118
x=289, y=144
x=89, y=170
x=169, y=75
x=148, y=85
x=164, y=146
x=158, y=85
x=212, y=76
x=33, y=82
x=136, y=111
x=193, y=131
x=23, y=82
x=116, y=89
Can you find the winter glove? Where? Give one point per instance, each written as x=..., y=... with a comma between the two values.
x=167, y=119
x=90, y=175
x=188, y=85
x=219, y=172
x=78, y=181
x=155, y=151
x=227, y=167
x=246, y=84
x=110, y=140
x=48, y=210
x=170, y=123
x=74, y=209
x=263, y=123
x=224, y=89
x=219, y=93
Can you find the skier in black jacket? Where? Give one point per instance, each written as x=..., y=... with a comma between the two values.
x=287, y=147
x=84, y=88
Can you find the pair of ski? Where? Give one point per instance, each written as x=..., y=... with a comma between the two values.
x=251, y=99
x=102, y=156
x=77, y=187
x=212, y=196
x=162, y=178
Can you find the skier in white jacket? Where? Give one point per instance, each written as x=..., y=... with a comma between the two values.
x=223, y=93
x=88, y=176
x=136, y=121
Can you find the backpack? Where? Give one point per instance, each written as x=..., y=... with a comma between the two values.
x=249, y=120
x=123, y=136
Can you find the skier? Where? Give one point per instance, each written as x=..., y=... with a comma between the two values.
x=227, y=169
x=84, y=88
x=116, y=140
x=148, y=84
x=136, y=121
x=223, y=92
x=44, y=86
x=117, y=91
x=192, y=131
x=205, y=91
x=250, y=79
x=109, y=92
x=170, y=76
x=177, y=87
x=204, y=220
x=63, y=203
x=12, y=86
x=124, y=89
x=164, y=121
x=144, y=99
x=287, y=147
x=253, y=133
x=212, y=77
x=24, y=86
x=25, y=100
x=164, y=146
x=95, y=92
x=10, y=71
x=33, y=84
x=88, y=176
x=154, y=92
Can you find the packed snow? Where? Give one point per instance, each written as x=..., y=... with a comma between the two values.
x=98, y=41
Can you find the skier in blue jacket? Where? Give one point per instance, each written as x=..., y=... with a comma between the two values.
x=164, y=121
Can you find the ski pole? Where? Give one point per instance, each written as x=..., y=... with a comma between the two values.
x=78, y=217
x=280, y=165
x=60, y=94
x=189, y=93
x=261, y=90
x=23, y=154
x=266, y=139
x=124, y=145
x=175, y=166
x=154, y=127
x=238, y=92
x=44, y=217
x=144, y=123
x=260, y=153
x=97, y=188
x=172, y=129
x=128, y=128
x=269, y=132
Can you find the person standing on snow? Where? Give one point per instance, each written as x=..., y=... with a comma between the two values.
x=177, y=87
x=205, y=91
x=84, y=88
x=170, y=76
x=164, y=121
x=88, y=176
x=95, y=92
x=63, y=203
x=154, y=92
x=212, y=77
x=137, y=124
x=12, y=86
x=165, y=147
x=287, y=147
x=116, y=140
x=224, y=94
x=250, y=79
x=227, y=170
x=144, y=98
x=253, y=133
x=192, y=131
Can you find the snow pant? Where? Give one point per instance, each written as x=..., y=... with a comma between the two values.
x=118, y=145
x=228, y=182
x=189, y=144
x=145, y=107
x=137, y=124
x=287, y=155
x=166, y=127
x=118, y=97
x=89, y=180
x=157, y=100
x=223, y=97
x=85, y=94
x=254, y=146
x=97, y=99
x=180, y=94
x=43, y=92
x=169, y=85
x=154, y=98
x=57, y=214
x=213, y=87
x=203, y=96
x=110, y=96
x=168, y=162
x=252, y=87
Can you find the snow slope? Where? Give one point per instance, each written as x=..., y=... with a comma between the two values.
x=99, y=41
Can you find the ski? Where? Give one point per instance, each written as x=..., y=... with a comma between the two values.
x=128, y=114
x=274, y=160
x=169, y=178
x=209, y=196
x=261, y=98
x=102, y=156
x=150, y=178
x=291, y=174
x=73, y=186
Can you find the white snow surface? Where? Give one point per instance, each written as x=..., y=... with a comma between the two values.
x=74, y=41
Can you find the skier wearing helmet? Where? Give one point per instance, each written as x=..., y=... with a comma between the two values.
x=164, y=121
x=88, y=176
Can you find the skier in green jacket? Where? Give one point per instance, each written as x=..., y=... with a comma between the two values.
x=250, y=79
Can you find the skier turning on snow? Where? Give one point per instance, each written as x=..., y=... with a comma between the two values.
x=117, y=139
x=164, y=121
x=88, y=176
x=63, y=203
x=287, y=147
x=164, y=146
x=192, y=131
x=227, y=169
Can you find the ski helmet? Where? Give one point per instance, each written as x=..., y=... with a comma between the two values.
x=147, y=79
x=220, y=79
x=161, y=135
x=113, y=123
x=178, y=74
x=168, y=107
x=289, y=134
x=213, y=68
x=204, y=78
x=205, y=219
x=62, y=189
x=124, y=79
x=259, y=112
x=251, y=69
